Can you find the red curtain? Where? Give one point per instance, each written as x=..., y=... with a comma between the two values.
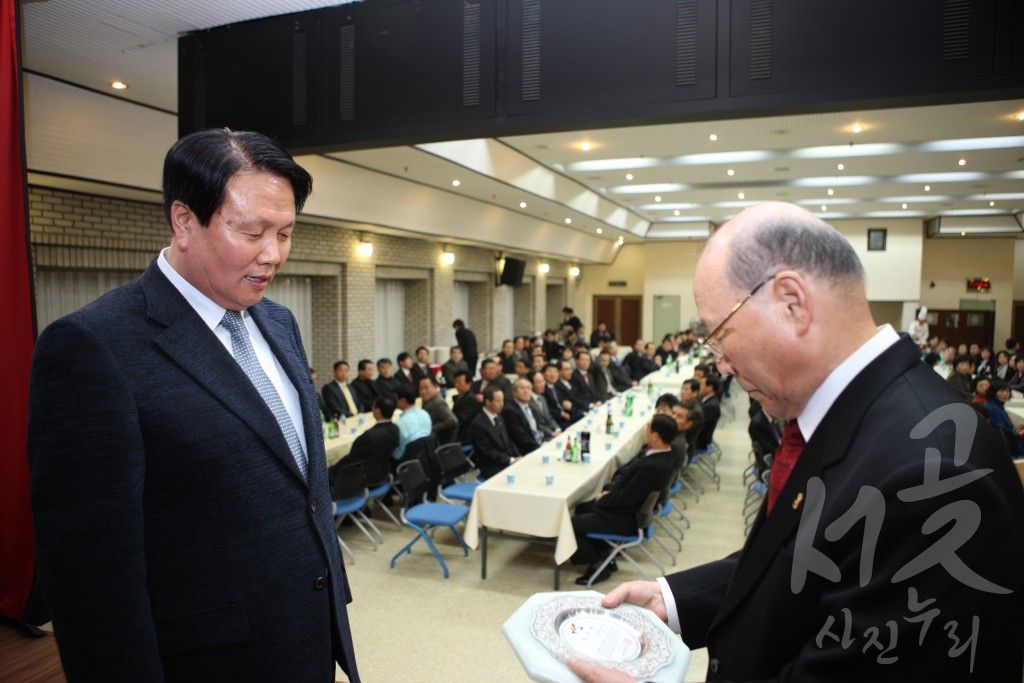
x=17, y=547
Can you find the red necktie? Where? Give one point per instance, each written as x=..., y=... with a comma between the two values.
x=785, y=459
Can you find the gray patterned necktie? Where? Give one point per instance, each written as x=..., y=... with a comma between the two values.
x=241, y=348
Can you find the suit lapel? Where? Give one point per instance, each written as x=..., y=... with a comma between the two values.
x=194, y=347
x=827, y=446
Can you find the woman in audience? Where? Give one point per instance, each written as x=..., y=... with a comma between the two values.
x=1002, y=369
x=998, y=395
x=981, y=387
x=985, y=365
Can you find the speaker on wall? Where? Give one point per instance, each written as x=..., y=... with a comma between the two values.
x=512, y=273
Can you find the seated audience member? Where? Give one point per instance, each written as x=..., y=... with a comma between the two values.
x=614, y=510
x=552, y=349
x=319, y=397
x=764, y=432
x=522, y=368
x=1002, y=368
x=547, y=424
x=998, y=395
x=520, y=420
x=444, y=425
x=621, y=379
x=962, y=350
x=1016, y=380
x=490, y=374
x=466, y=406
x=931, y=359
x=337, y=396
x=689, y=396
x=601, y=335
x=984, y=366
x=568, y=355
x=709, y=401
x=493, y=449
x=414, y=423
x=664, y=404
x=404, y=374
x=960, y=376
x=582, y=381
x=538, y=363
x=601, y=377
x=380, y=440
x=981, y=387
x=421, y=368
x=508, y=357
x=666, y=353
x=364, y=391
x=700, y=371
x=649, y=350
x=454, y=364
x=638, y=363
x=561, y=409
x=519, y=350
x=680, y=445
x=385, y=381
x=566, y=392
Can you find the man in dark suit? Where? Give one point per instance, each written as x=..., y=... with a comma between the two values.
x=711, y=406
x=614, y=509
x=520, y=419
x=404, y=374
x=873, y=434
x=579, y=405
x=421, y=368
x=508, y=357
x=466, y=406
x=191, y=536
x=467, y=342
x=561, y=409
x=377, y=441
x=548, y=425
x=689, y=395
x=385, y=382
x=363, y=388
x=444, y=424
x=582, y=380
x=337, y=396
x=455, y=363
x=638, y=362
x=493, y=449
x=620, y=374
x=601, y=377
x=490, y=375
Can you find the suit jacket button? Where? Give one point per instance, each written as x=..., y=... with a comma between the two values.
x=319, y=583
x=714, y=666
x=312, y=508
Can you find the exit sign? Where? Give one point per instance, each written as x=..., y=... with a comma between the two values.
x=616, y=283
x=978, y=284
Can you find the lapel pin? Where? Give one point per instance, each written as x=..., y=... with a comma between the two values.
x=798, y=500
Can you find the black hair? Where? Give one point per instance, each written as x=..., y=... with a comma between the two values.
x=364, y=362
x=665, y=427
x=386, y=406
x=340, y=363
x=666, y=400
x=490, y=391
x=407, y=392
x=403, y=355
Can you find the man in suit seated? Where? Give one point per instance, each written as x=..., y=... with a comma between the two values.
x=493, y=449
x=873, y=434
x=385, y=381
x=601, y=377
x=404, y=373
x=621, y=379
x=520, y=419
x=560, y=410
x=578, y=405
x=681, y=445
x=582, y=380
x=421, y=368
x=689, y=395
x=363, y=389
x=455, y=363
x=710, y=404
x=379, y=441
x=508, y=357
x=466, y=406
x=337, y=396
x=490, y=374
x=638, y=362
x=548, y=425
x=414, y=423
x=614, y=510
x=444, y=425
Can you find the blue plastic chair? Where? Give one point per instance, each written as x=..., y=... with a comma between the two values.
x=620, y=543
x=453, y=464
x=422, y=516
x=350, y=497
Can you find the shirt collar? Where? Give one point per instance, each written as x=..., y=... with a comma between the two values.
x=837, y=381
x=211, y=312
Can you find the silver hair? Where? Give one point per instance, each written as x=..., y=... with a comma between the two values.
x=805, y=244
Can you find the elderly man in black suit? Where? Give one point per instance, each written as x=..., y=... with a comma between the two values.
x=711, y=407
x=455, y=363
x=493, y=449
x=520, y=419
x=467, y=342
x=363, y=388
x=444, y=424
x=614, y=510
x=548, y=425
x=582, y=380
x=490, y=375
x=578, y=405
x=337, y=396
x=191, y=536
x=873, y=434
x=465, y=407
x=385, y=382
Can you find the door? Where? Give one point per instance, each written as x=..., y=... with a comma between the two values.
x=666, y=315
x=621, y=314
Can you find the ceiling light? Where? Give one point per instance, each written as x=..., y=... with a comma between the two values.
x=963, y=233
x=119, y=85
x=657, y=198
x=600, y=231
x=676, y=212
x=712, y=137
x=824, y=207
x=568, y=221
x=447, y=257
x=621, y=240
x=730, y=172
x=544, y=267
x=741, y=196
x=991, y=203
x=574, y=271
x=629, y=176
x=856, y=128
x=585, y=146
x=1020, y=116
x=840, y=167
x=522, y=205
x=904, y=205
x=962, y=162
x=927, y=188
x=365, y=248
x=456, y=183
x=831, y=192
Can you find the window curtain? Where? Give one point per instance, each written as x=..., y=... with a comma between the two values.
x=390, y=340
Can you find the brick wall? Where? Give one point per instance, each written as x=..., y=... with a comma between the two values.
x=74, y=231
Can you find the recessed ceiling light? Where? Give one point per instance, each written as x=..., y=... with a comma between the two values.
x=629, y=176
x=657, y=198
x=568, y=221
x=600, y=231
x=1020, y=116
x=741, y=195
x=119, y=85
x=456, y=183
x=963, y=233
x=962, y=162
x=831, y=192
x=585, y=146
x=522, y=205
x=712, y=137
x=730, y=172
x=927, y=188
x=991, y=203
x=904, y=205
x=621, y=240
x=676, y=212
x=840, y=167
x=824, y=207
x=856, y=128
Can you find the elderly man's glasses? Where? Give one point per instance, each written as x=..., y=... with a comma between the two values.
x=713, y=343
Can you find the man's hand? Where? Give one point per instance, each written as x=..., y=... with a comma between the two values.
x=592, y=673
x=646, y=594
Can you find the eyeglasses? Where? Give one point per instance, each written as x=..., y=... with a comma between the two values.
x=713, y=343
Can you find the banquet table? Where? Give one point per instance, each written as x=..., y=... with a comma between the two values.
x=518, y=501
